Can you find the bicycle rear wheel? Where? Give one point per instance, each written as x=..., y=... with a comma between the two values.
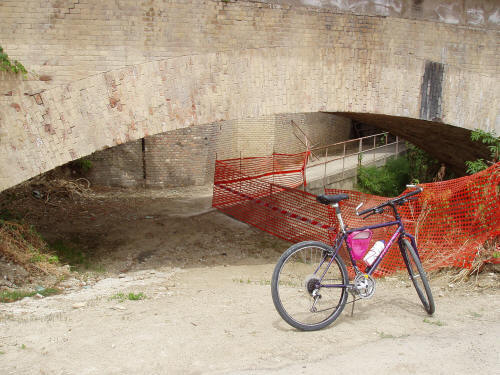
x=418, y=276
x=295, y=286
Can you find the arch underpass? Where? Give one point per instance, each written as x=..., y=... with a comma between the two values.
x=448, y=143
x=385, y=71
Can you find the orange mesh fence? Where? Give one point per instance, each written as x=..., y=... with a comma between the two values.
x=450, y=220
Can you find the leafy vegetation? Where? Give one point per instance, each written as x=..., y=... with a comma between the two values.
x=7, y=65
x=491, y=140
x=136, y=296
x=82, y=165
x=388, y=180
x=423, y=167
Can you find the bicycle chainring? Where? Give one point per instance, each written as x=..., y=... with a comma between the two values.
x=364, y=285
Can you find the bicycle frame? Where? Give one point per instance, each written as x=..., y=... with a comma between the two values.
x=296, y=306
x=342, y=238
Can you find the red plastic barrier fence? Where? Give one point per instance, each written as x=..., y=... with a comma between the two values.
x=451, y=220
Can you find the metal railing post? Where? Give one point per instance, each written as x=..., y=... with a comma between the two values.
x=385, y=149
x=360, y=151
x=343, y=161
x=374, y=146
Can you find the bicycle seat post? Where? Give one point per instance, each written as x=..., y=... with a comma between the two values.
x=339, y=216
x=334, y=200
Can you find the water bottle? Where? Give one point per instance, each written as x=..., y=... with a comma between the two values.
x=374, y=252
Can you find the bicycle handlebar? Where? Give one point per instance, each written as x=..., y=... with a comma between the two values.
x=396, y=201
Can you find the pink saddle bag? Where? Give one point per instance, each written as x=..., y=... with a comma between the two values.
x=359, y=241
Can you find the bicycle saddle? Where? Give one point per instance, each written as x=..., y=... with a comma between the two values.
x=329, y=199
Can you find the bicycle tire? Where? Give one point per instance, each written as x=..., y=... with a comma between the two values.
x=293, y=280
x=417, y=273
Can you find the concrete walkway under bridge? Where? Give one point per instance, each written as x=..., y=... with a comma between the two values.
x=335, y=166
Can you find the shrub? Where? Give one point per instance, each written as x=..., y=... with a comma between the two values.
x=10, y=66
x=389, y=180
x=492, y=142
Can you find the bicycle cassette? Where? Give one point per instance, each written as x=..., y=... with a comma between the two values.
x=364, y=285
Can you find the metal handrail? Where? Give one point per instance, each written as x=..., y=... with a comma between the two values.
x=350, y=140
x=359, y=151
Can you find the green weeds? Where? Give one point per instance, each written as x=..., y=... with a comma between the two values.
x=492, y=142
x=258, y=282
x=389, y=180
x=120, y=297
x=474, y=314
x=38, y=257
x=434, y=322
x=71, y=255
x=15, y=295
x=7, y=65
x=384, y=335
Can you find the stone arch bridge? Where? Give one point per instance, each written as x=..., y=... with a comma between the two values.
x=109, y=74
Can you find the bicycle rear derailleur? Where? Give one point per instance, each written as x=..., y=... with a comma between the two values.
x=364, y=285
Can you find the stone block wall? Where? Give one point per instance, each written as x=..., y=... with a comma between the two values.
x=179, y=157
x=186, y=156
x=320, y=128
x=103, y=73
x=118, y=166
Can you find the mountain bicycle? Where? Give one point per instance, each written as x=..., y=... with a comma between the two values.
x=310, y=283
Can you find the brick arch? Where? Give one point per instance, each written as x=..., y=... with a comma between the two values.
x=45, y=130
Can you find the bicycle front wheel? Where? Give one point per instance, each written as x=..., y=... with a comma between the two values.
x=308, y=286
x=418, y=276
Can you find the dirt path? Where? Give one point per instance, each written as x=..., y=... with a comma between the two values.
x=222, y=320
x=208, y=307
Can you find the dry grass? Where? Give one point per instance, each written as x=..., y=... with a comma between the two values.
x=50, y=191
x=470, y=275
x=36, y=201
x=21, y=245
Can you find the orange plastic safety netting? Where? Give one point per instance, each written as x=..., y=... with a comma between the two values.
x=450, y=220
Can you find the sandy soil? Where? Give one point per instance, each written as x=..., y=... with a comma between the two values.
x=208, y=307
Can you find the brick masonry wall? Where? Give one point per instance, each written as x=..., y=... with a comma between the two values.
x=320, y=128
x=186, y=157
x=65, y=40
x=117, y=166
x=105, y=73
x=179, y=158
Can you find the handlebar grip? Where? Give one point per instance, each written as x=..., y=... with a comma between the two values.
x=379, y=208
x=412, y=193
